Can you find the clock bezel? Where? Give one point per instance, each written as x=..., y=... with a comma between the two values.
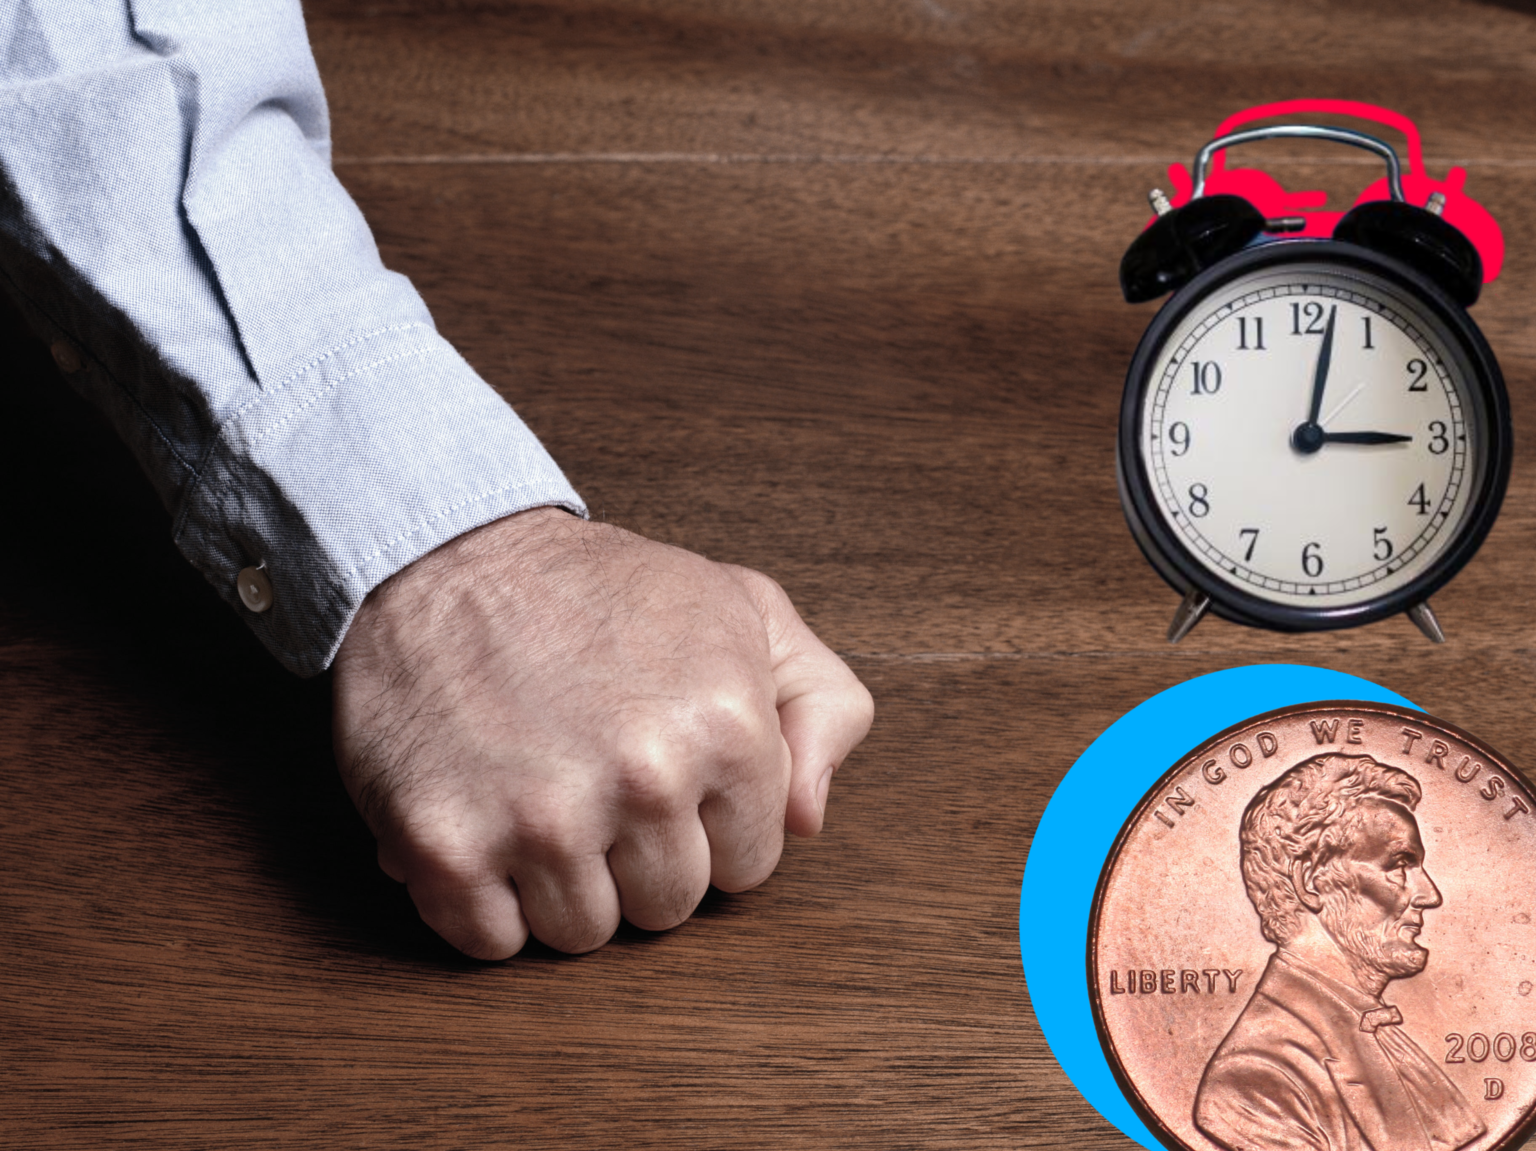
x=1492, y=449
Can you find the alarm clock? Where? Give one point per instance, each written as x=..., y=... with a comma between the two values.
x=1314, y=433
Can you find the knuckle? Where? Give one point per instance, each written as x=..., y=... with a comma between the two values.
x=455, y=912
x=551, y=827
x=746, y=839
x=753, y=865
x=861, y=705
x=736, y=722
x=667, y=896
x=667, y=913
x=763, y=588
x=439, y=849
x=578, y=934
x=647, y=778
x=483, y=944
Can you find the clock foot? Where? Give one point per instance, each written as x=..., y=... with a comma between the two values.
x=1188, y=615
x=1424, y=616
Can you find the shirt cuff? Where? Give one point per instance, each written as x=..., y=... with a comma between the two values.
x=363, y=460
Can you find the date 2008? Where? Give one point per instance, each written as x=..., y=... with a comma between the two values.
x=1477, y=1047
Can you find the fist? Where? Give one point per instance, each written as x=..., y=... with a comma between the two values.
x=551, y=724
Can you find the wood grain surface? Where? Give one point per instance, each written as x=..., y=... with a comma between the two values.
x=824, y=287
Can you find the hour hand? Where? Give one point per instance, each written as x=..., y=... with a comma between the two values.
x=1364, y=438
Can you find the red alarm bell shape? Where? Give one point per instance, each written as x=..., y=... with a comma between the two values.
x=1265, y=193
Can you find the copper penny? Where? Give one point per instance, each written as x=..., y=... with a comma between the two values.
x=1315, y=933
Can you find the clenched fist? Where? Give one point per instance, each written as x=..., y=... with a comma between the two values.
x=550, y=724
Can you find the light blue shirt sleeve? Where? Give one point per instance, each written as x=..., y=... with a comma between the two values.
x=168, y=211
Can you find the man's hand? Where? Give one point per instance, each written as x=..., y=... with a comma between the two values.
x=550, y=724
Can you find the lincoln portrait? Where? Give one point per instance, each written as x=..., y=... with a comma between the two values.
x=1318, y=1060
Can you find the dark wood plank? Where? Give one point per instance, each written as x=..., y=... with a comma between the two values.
x=895, y=388
x=950, y=77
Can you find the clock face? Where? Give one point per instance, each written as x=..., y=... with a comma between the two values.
x=1313, y=434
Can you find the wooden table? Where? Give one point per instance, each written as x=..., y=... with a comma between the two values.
x=824, y=287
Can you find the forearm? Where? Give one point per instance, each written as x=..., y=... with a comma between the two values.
x=168, y=212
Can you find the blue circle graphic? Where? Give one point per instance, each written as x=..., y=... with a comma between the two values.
x=1080, y=824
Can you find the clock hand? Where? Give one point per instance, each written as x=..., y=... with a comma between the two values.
x=1341, y=405
x=1365, y=438
x=1308, y=436
x=1320, y=374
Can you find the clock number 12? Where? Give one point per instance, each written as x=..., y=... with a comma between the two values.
x=1313, y=311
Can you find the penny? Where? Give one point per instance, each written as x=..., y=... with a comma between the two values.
x=1315, y=932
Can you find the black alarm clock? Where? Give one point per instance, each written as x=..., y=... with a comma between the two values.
x=1314, y=432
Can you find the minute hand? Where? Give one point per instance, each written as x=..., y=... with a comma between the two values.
x=1365, y=438
x=1320, y=374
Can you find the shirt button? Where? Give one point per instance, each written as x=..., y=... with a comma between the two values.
x=66, y=357
x=255, y=589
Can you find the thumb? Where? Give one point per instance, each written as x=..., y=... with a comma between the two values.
x=824, y=711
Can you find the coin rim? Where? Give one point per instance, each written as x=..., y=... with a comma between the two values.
x=1144, y=1111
